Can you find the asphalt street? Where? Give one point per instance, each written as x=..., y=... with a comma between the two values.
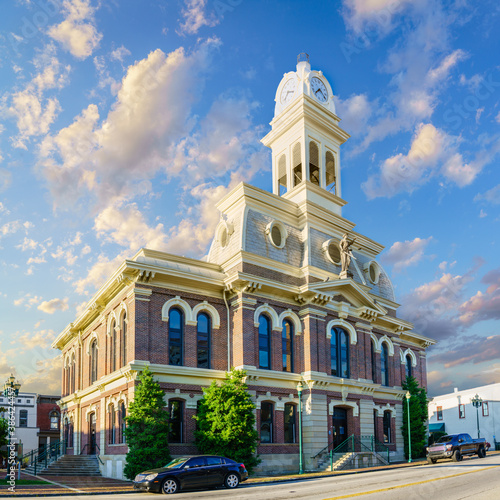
x=471, y=478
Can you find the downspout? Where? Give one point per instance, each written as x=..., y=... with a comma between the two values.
x=228, y=334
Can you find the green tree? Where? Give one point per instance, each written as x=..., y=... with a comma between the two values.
x=226, y=421
x=418, y=418
x=147, y=428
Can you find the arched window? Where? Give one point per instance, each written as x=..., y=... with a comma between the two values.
x=282, y=186
x=176, y=416
x=123, y=330
x=175, y=334
x=114, y=342
x=408, y=366
x=264, y=342
x=23, y=418
x=314, y=175
x=384, y=362
x=123, y=415
x=93, y=361
x=296, y=165
x=112, y=425
x=266, y=422
x=387, y=427
x=330, y=172
x=374, y=362
x=203, y=340
x=339, y=353
x=290, y=418
x=287, y=345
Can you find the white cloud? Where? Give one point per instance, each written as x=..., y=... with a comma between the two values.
x=28, y=301
x=77, y=33
x=497, y=118
x=53, y=305
x=5, y=179
x=33, y=115
x=3, y=209
x=151, y=112
x=47, y=377
x=491, y=196
x=126, y=226
x=405, y=254
x=99, y=272
x=120, y=53
x=13, y=227
x=35, y=260
x=432, y=152
x=195, y=17
x=358, y=13
x=67, y=255
x=442, y=71
x=355, y=112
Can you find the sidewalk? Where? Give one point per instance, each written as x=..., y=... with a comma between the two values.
x=69, y=485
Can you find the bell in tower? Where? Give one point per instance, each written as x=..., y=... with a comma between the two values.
x=305, y=138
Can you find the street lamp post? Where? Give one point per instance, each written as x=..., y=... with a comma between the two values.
x=477, y=402
x=299, y=391
x=408, y=396
x=10, y=391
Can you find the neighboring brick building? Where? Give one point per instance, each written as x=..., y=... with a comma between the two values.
x=272, y=298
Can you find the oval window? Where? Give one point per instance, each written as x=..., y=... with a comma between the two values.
x=277, y=234
x=332, y=251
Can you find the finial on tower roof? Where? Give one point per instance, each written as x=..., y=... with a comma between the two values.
x=302, y=57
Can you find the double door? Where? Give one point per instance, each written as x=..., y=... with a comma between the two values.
x=339, y=426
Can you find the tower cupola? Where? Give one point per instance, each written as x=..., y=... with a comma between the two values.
x=306, y=137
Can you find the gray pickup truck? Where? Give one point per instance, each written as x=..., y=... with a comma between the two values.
x=455, y=446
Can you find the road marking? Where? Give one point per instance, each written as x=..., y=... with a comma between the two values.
x=410, y=484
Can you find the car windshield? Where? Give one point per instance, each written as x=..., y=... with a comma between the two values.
x=445, y=439
x=176, y=463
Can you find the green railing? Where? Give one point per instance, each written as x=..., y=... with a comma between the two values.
x=40, y=459
x=356, y=444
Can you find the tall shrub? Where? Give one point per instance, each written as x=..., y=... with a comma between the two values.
x=418, y=418
x=226, y=421
x=147, y=428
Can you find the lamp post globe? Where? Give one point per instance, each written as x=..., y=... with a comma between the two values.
x=477, y=402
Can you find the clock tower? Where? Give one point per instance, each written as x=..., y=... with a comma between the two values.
x=305, y=139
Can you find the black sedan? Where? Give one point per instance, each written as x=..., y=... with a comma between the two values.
x=204, y=471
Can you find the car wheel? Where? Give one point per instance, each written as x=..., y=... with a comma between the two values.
x=232, y=481
x=431, y=460
x=481, y=453
x=169, y=486
x=456, y=457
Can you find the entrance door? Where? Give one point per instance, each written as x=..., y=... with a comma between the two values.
x=339, y=426
x=92, y=434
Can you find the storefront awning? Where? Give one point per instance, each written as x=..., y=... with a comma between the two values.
x=436, y=427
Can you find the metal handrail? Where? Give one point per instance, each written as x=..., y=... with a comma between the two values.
x=50, y=454
x=353, y=442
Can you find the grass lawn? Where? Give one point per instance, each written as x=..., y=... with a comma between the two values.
x=21, y=482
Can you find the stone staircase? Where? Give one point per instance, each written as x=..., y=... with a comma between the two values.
x=69, y=465
x=350, y=460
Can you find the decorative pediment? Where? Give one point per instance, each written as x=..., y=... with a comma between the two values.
x=361, y=303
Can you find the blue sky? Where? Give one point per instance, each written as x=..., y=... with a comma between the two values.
x=122, y=123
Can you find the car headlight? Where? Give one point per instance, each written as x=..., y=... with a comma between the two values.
x=150, y=477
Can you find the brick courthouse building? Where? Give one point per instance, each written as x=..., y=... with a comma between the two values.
x=271, y=298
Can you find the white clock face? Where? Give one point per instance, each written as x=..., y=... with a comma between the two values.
x=288, y=91
x=318, y=89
